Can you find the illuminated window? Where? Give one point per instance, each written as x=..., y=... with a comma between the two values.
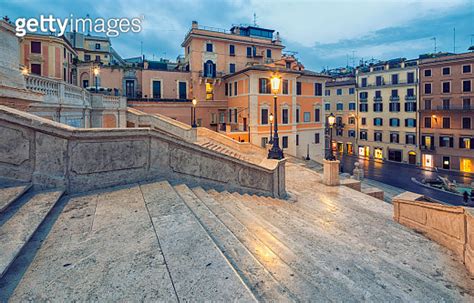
x=378, y=154
x=209, y=91
x=467, y=165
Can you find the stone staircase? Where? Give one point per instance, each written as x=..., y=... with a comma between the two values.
x=215, y=146
x=170, y=242
x=22, y=210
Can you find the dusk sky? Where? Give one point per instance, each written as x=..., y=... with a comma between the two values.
x=323, y=33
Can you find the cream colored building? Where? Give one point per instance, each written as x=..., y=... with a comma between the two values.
x=387, y=111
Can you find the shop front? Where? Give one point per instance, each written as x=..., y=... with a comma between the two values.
x=395, y=155
x=378, y=153
x=364, y=151
x=427, y=160
x=349, y=148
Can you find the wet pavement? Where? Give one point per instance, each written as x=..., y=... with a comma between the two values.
x=399, y=175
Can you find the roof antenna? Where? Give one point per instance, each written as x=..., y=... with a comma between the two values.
x=255, y=19
x=434, y=39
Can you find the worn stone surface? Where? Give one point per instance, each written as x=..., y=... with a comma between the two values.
x=9, y=194
x=14, y=147
x=15, y=232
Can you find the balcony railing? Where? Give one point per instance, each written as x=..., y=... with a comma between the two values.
x=157, y=100
x=394, y=98
x=207, y=75
x=390, y=84
x=450, y=108
x=428, y=148
x=409, y=98
x=377, y=98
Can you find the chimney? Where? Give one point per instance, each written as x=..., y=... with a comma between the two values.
x=194, y=24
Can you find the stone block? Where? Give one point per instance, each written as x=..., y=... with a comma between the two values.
x=352, y=184
x=331, y=172
x=469, y=253
x=374, y=192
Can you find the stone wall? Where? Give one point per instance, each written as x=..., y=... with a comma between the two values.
x=51, y=154
x=450, y=226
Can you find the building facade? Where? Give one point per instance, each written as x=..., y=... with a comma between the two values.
x=447, y=112
x=340, y=100
x=387, y=111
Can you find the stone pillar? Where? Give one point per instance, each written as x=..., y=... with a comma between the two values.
x=331, y=172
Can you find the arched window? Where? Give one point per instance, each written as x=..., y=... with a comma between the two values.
x=209, y=69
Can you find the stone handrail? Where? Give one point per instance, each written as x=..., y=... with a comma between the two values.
x=243, y=147
x=157, y=121
x=450, y=226
x=51, y=154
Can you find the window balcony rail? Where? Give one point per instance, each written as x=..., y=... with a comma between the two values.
x=394, y=98
x=157, y=100
x=377, y=98
x=410, y=98
x=390, y=83
x=204, y=74
x=363, y=99
x=449, y=108
x=427, y=148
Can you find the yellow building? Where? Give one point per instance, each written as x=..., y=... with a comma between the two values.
x=387, y=113
x=91, y=48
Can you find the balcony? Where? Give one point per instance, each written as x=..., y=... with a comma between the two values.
x=426, y=148
x=394, y=98
x=164, y=100
x=410, y=98
x=363, y=99
x=378, y=99
x=203, y=74
x=450, y=108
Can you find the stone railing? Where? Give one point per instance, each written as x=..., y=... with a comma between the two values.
x=163, y=123
x=450, y=226
x=50, y=154
x=243, y=147
x=57, y=92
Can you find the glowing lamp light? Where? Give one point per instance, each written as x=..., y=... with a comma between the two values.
x=275, y=82
x=271, y=117
x=96, y=71
x=194, y=102
x=25, y=71
x=331, y=119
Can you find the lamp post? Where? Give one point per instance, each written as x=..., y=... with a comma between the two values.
x=96, y=74
x=275, y=152
x=271, y=133
x=193, y=113
x=331, y=121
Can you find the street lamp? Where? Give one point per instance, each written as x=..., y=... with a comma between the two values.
x=96, y=74
x=275, y=152
x=271, y=133
x=25, y=71
x=193, y=113
x=331, y=121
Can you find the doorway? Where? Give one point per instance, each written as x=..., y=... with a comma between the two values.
x=130, y=88
x=411, y=157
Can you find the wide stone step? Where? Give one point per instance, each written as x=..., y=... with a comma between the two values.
x=9, y=194
x=383, y=275
x=292, y=268
x=19, y=228
x=257, y=277
x=199, y=270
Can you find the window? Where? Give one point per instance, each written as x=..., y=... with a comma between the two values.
x=232, y=50
x=97, y=46
x=297, y=115
x=316, y=138
x=182, y=90
x=378, y=95
x=427, y=72
x=230, y=89
x=284, y=87
x=378, y=121
x=284, y=116
x=297, y=140
x=264, y=86
x=446, y=70
x=466, y=103
x=249, y=52
x=264, y=118
x=446, y=141
x=427, y=88
x=467, y=143
x=285, y=141
x=394, y=122
x=340, y=106
x=446, y=87
x=269, y=53
x=363, y=135
x=36, y=69
x=35, y=47
x=395, y=79
x=327, y=92
x=378, y=107
x=317, y=115
x=209, y=69
x=427, y=104
x=352, y=106
x=351, y=133
x=327, y=106
x=410, y=107
x=236, y=88
x=351, y=90
x=466, y=123
x=339, y=132
x=232, y=68
x=410, y=92
x=394, y=93
x=156, y=93
x=318, y=89
x=298, y=88
x=427, y=122
x=379, y=80
x=410, y=122
x=394, y=138
x=363, y=107
x=446, y=122
x=363, y=82
x=351, y=120
x=378, y=136
x=410, y=77
x=209, y=47
x=97, y=58
x=339, y=91
x=394, y=107
x=410, y=139
x=226, y=89
x=363, y=96
x=87, y=57
x=446, y=103
x=466, y=85
x=466, y=69
x=363, y=121
x=307, y=117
